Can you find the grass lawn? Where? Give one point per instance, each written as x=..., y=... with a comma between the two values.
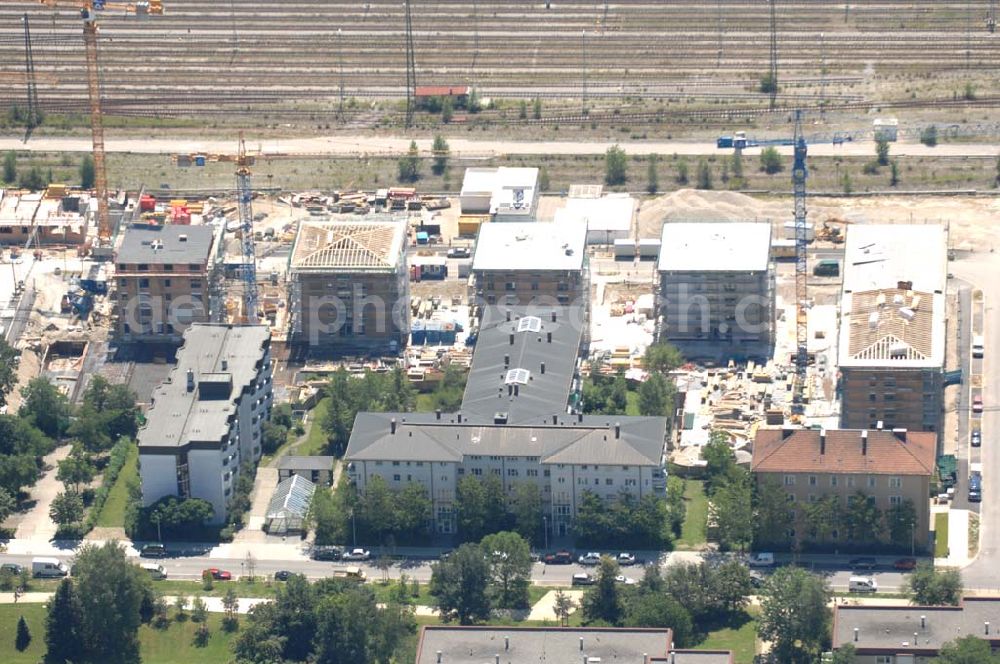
x=695, y=517
x=316, y=439
x=113, y=513
x=632, y=403
x=740, y=638
x=174, y=645
x=535, y=593
x=219, y=588
x=941, y=535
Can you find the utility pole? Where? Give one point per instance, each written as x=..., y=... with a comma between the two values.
x=991, y=17
x=340, y=58
x=411, y=68
x=774, y=55
x=718, y=61
x=822, y=77
x=583, y=45
x=34, y=117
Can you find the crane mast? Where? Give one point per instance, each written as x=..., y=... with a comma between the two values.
x=799, y=175
x=244, y=194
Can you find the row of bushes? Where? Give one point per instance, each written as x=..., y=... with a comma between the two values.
x=116, y=460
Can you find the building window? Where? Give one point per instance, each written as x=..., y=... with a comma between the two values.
x=789, y=480
x=872, y=482
x=630, y=482
x=512, y=472
x=883, y=659
x=812, y=497
x=395, y=478
x=834, y=534
x=895, y=501
x=395, y=463
x=790, y=497
x=850, y=482
x=609, y=482
x=833, y=480
x=531, y=472
x=496, y=471
x=562, y=480
x=546, y=473
x=812, y=480
x=477, y=471
x=144, y=283
x=143, y=267
x=895, y=482
x=166, y=283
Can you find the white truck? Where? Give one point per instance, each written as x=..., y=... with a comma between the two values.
x=48, y=567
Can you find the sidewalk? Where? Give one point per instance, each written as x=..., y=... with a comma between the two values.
x=213, y=604
x=36, y=524
x=958, y=540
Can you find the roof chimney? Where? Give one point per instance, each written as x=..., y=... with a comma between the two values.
x=986, y=627
x=548, y=337
x=510, y=389
x=439, y=656
x=459, y=417
x=553, y=315
x=543, y=367
x=508, y=315
x=511, y=338
x=392, y=426
x=581, y=643
x=555, y=419
x=822, y=441
x=438, y=413
x=517, y=389
x=506, y=643
x=900, y=434
x=856, y=633
x=618, y=429
x=579, y=417
x=496, y=658
x=190, y=380
x=864, y=443
x=923, y=622
x=506, y=361
x=879, y=425
x=225, y=365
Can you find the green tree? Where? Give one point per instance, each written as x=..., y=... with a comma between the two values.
x=656, y=396
x=23, y=637
x=474, y=104
x=470, y=497
x=794, y=615
x=846, y=183
x=604, y=600
x=736, y=166
x=652, y=177
x=662, y=357
x=8, y=370
x=111, y=591
x=720, y=460
x=543, y=179
x=563, y=606
x=32, y=179
x=413, y=511
x=862, y=518
x=731, y=586
x=615, y=166
x=409, y=164
x=823, y=517
x=66, y=508
x=171, y=515
x=893, y=173
x=704, y=175
x=770, y=161
x=682, y=172
x=45, y=407
x=928, y=136
x=845, y=654
x=231, y=609
x=934, y=587
x=376, y=510
x=536, y=108
x=328, y=514
x=882, y=151
x=447, y=110
x=510, y=569
x=969, y=649
x=771, y=515
x=591, y=523
x=87, y=172
x=901, y=521
x=646, y=609
x=522, y=110
x=441, y=153
x=10, y=167
x=734, y=512
x=459, y=585
x=64, y=625
x=75, y=470
x=526, y=509
x=676, y=509
x=273, y=436
x=199, y=610
x=768, y=83
x=7, y=504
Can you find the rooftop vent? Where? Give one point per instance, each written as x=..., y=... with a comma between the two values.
x=182, y=238
x=529, y=324
x=500, y=418
x=517, y=376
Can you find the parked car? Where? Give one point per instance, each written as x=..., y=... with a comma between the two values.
x=863, y=563
x=976, y=438
x=219, y=574
x=48, y=567
x=583, y=579
x=905, y=564
x=977, y=404
x=558, y=558
x=458, y=252
x=862, y=584
x=155, y=571
x=625, y=559
x=357, y=554
x=445, y=555
x=535, y=556
x=153, y=551
x=756, y=579
x=11, y=568
x=282, y=575
x=626, y=580
x=761, y=560
x=590, y=558
x=327, y=553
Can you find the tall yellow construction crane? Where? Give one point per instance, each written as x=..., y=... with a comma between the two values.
x=89, y=11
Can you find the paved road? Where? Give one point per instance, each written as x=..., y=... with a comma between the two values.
x=981, y=269
x=463, y=147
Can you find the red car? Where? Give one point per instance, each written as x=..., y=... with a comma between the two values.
x=905, y=564
x=219, y=574
x=977, y=404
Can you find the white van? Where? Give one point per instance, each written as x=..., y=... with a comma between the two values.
x=978, y=346
x=48, y=567
x=761, y=560
x=156, y=572
x=862, y=584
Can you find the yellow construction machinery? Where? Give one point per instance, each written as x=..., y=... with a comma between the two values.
x=89, y=11
x=831, y=231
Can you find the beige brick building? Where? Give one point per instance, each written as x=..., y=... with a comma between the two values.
x=350, y=291
x=889, y=467
x=891, y=346
x=162, y=275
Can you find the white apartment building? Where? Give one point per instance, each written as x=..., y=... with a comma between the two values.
x=206, y=419
x=564, y=456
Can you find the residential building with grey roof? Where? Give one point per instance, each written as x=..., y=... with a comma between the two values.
x=206, y=418
x=913, y=634
x=163, y=277
x=442, y=644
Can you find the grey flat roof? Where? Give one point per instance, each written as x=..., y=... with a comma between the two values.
x=486, y=391
x=532, y=246
x=179, y=417
x=574, y=440
x=306, y=463
x=723, y=246
x=164, y=244
x=548, y=645
x=890, y=629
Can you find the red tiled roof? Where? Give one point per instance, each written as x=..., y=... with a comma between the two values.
x=887, y=453
x=441, y=90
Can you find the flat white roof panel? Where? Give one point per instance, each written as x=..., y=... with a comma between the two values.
x=530, y=246
x=715, y=246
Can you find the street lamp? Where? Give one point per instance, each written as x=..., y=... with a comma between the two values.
x=354, y=529
x=545, y=529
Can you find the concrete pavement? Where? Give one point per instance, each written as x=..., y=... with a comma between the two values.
x=37, y=524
